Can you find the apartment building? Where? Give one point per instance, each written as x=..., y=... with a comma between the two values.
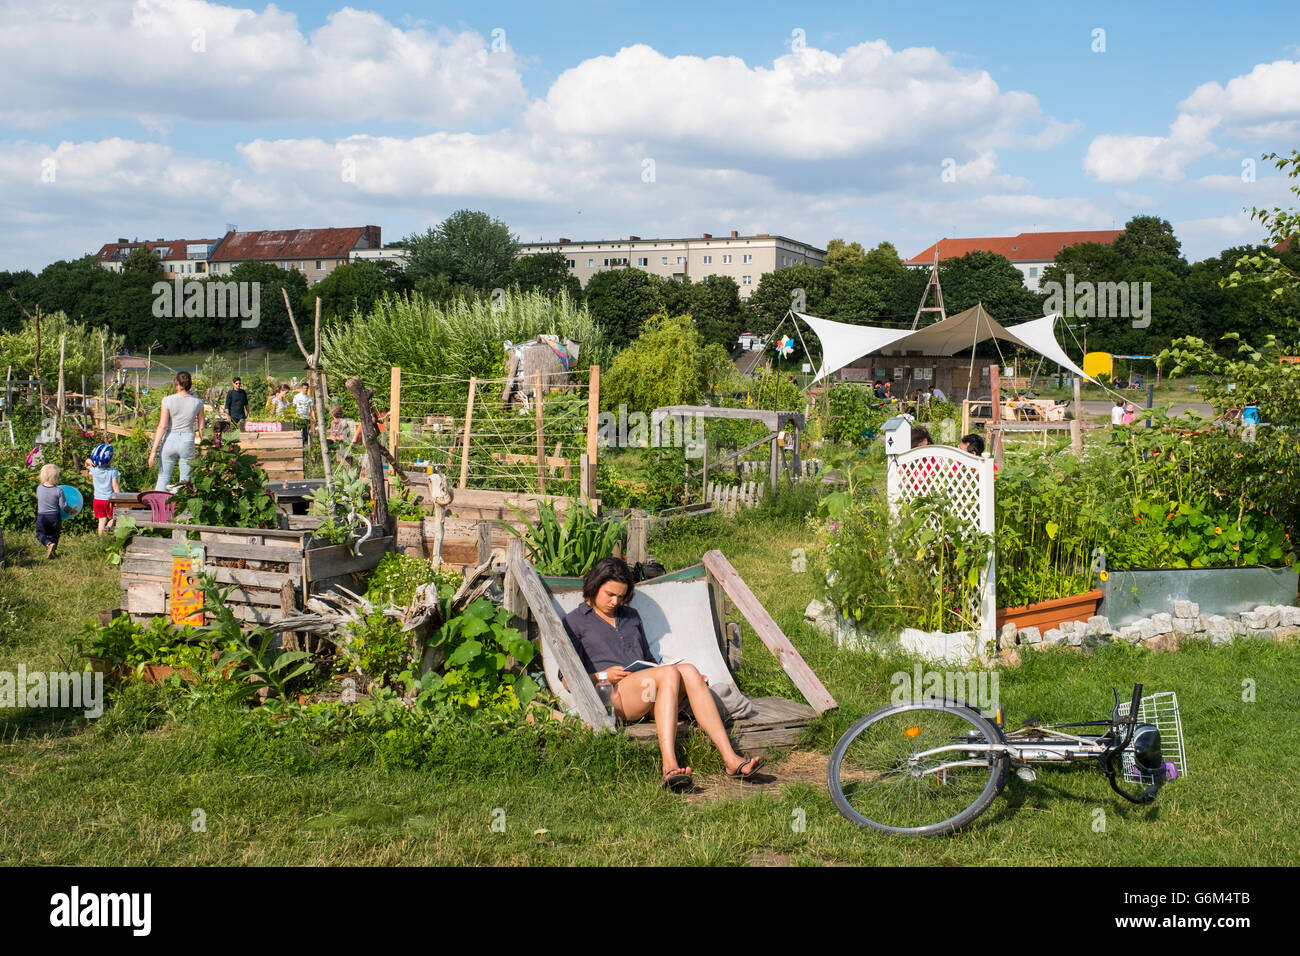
x=1030, y=252
x=743, y=258
x=314, y=252
x=179, y=256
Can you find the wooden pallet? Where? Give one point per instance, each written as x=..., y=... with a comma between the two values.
x=778, y=724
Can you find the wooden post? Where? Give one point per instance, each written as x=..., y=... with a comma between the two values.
x=995, y=392
x=541, y=442
x=1078, y=400
x=769, y=633
x=513, y=597
x=772, y=468
x=58, y=413
x=484, y=529
x=965, y=417
x=103, y=377
x=704, y=471
x=636, y=548
x=469, y=425
x=394, y=408
x=732, y=650
x=593, y=411
x=440, y=495
x=374, y=452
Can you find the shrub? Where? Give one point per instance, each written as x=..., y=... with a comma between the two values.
x=227, y=488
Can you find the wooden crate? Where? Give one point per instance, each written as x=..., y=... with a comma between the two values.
x=777, y=724
x=279, y=453
x=270, y=569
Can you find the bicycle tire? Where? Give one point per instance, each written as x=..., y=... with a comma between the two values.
x=875, y=783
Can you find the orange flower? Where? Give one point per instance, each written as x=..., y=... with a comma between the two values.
x=1218, y=530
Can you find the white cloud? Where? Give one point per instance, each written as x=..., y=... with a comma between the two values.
x=193, y=60
x=1262, y=105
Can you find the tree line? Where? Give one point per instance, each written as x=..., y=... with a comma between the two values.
x=470, y=255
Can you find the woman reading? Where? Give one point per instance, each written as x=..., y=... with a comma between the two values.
x=609, y=637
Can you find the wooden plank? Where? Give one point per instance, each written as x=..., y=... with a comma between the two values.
x=483, y=533
x=330, y=562
x=290, y=556
x=394, y=409
x=146, y=598
x=469, y=426
x=768, y=632
x=262, y=579
x=541, y=440
x=296, y=536
x=256, y=613
x=277, y=454
x=588, y=476
x=143, y=545
x=153, y=565
x=261, y=598
x=261, y=441
x=558, y=646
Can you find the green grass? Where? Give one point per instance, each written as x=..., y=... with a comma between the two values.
x=124, y=790
x=284, y=365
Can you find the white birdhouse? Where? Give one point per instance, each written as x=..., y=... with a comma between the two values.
x=898, y=435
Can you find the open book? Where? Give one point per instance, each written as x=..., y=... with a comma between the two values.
x=646, y=665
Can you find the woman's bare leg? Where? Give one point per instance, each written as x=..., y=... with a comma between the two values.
x=707, y=716
x=660, y=689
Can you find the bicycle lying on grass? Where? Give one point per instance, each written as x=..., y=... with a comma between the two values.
x=928, y=767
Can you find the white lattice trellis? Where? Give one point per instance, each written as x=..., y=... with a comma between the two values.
x=966, y=483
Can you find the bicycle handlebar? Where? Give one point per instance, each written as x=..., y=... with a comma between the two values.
x=1113, y=752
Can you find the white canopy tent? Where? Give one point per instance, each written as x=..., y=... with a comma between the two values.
x=842, y=343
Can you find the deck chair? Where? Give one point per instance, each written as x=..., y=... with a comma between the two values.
x=678, y=614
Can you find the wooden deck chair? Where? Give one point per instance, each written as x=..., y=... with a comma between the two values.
x=681, y=619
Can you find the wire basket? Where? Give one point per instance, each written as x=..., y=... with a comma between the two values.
x=1160, y=710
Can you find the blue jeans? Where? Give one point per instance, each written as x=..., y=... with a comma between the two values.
x=177, y=446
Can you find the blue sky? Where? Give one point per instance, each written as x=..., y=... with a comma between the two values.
x=172, y=118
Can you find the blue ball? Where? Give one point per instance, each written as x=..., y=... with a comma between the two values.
x=74, y=500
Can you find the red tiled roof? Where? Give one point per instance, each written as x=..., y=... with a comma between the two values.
x=1286, y=245
x=281, y=244
x=176, y=248
x=1026, y=247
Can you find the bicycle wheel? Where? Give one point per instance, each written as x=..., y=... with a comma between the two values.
x=881, y=776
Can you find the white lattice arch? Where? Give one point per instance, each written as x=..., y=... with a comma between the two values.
x=967, y=483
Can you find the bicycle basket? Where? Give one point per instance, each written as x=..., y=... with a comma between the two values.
x=1160, y=710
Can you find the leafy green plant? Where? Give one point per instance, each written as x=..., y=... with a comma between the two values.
x=856, y=415
x=252, y=653
x=480, y=646
x=402, y=503
x=339, y=502
x=568, y=547
x=394, y=580
x=227, y=488
x=115, y=544
x=377, y=646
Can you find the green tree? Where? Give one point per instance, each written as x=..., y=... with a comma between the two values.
x=467, y=248
x=989, y=278
x=273, y=330
x=839, y=253
x=1282, y=226
x=772, y=299
x=667, y=364
x=717, y=310
x=356, y=286
x=621, y=300
x=545, y=272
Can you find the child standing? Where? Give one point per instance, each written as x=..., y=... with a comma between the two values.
x=50, y=504
x=106, y=483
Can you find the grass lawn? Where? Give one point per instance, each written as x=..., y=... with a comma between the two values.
x=283, y=365
x=129, y=788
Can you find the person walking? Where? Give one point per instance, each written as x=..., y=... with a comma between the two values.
x=181, y=419
x=302, y=405
x=236, y=404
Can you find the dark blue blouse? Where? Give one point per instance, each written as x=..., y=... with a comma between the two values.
x=601, y=646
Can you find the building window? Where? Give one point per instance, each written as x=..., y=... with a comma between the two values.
x=708, y=260
x=747, y=258
x=1033, y=272
x=318, y=264
x=570, y=263
x=746, y=280
x=726, y=260
x=643, y=262
x=681, y=260
x=663, y=260
x=591, y=263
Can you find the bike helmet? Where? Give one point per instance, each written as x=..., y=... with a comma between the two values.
x=1146, y=750
x=101, y=456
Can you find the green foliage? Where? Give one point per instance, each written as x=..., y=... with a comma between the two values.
x=116, y=544
x=402, y=502
x=467, y=248
x=123, y=647
x=339, y=503
x=856, y=415
x=919, y=568
x=622, y=301
x=82, y=355
x=454, y=340
x=351, y=287
x=228, y=488
x=668, y=364
x=569, y=547
x=276, y=670
x=478, y=676
x=394, y=580
x=377, y=646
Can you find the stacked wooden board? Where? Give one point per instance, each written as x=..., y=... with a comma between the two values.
x=270, y=569
x=279, y=453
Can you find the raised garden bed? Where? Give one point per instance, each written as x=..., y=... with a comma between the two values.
x=1048, y=614
x=1130, y=595
x=272, y=570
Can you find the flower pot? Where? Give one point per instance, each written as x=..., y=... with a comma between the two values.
x=1054, y=613
x=157, y=673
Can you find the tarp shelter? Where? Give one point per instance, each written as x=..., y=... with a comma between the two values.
x=842, y=343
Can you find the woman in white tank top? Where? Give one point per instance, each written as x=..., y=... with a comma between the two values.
x=181, y=420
